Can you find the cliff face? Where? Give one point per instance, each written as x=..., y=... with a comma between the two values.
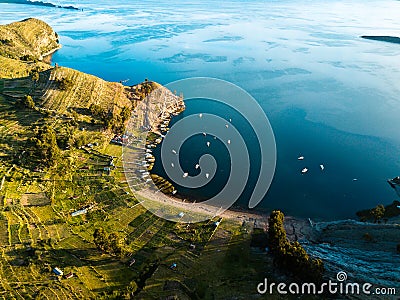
x=27, y=40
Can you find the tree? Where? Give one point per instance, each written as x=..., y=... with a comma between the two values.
x=45, y=146
x=276, y=232
x=109, y=243
x=65, y=83
x=100, y=239
x=378, y=212
x=28, y=102
x=292, y=256
x=35, y=76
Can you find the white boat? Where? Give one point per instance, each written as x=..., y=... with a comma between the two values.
x=208, y=144
x=174, y=192
x=207, y=175
x=300, y=158
x=172, y=165
x=226, y=125
x=200, y=115
x=197, y=166
x=204, y=133
x=305, y=170
x=173, y=151
x=229, y=141
x=185, y=175
x=322, y=167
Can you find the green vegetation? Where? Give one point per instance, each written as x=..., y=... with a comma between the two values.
x=291, y=255
x=380, y=212
x=27, y=40
x=109, y=243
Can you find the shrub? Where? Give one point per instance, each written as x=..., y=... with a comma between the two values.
x=65, y=83
x=292, y=256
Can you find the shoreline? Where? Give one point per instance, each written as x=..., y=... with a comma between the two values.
x=47, y=56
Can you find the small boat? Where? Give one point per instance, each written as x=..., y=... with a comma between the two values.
x=355, y=179
x=304, y=171
x=197, y=166
x=200, y=115
x=172, y=165
x=226, y=125
x=208, y=144
x=230, y=120
x=395, y=181
x=207, y=175
x=322, y=167
x=173, y=151
x=229, y=141
x=185, y=175
x=205, y=134
x=300, y=158
x=174, y=192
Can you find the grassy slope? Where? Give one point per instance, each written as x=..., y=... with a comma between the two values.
x=11, y=68
x=29, y=37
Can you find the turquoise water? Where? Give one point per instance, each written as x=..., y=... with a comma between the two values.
x=329, y=95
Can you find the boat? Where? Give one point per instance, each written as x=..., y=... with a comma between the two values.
x=300, y=158
x=322, y=167
x=207, y=175
x=394, y=182
x=185, y=175
x=229, y=141
x=200, y=115
x=208, y=144
x=197, y=166
x=304, y=171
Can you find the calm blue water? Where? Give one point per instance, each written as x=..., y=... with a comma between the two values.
x=329, y=95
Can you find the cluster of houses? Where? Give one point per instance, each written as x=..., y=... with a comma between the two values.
x=120, y=139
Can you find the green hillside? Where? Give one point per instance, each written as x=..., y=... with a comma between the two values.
x=28, y=40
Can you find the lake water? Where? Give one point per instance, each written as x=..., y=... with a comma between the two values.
x=328, y=94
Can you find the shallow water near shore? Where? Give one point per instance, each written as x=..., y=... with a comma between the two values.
x=329, y=95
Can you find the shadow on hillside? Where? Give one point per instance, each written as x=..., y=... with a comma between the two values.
x=64, y=258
